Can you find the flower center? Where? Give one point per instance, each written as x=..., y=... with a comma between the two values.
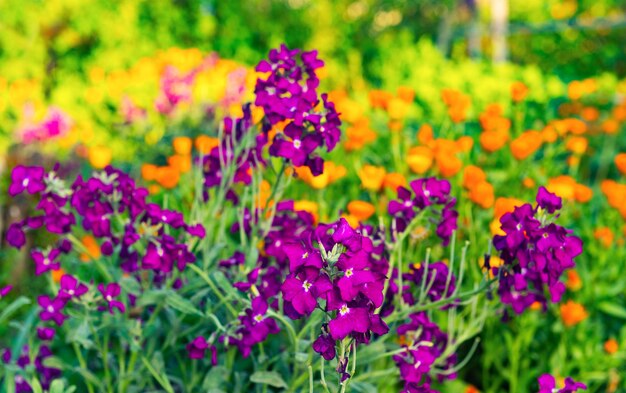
x=519, y=226
x=25, y=182
x=109, y=298
x=306, y=285
x=258, y=317
x=278, y=243
x=344, y=310
x=349, y=272
x=305, y=255
x=71, y=292
x=297, y=143
x=408, y=203
x=46, y=261
x=50, y=309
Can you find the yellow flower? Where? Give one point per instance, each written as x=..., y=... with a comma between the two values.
x=372, y=177
x=100, y=156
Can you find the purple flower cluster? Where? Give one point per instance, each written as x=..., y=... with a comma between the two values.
x=426, y=195
x=45, y=374
x=197, y=349
x=215, y=163
x=535, y=253
x=113, y=209
x=547, y=384
x=342, y=280
x=425, y=344
x=289, y=96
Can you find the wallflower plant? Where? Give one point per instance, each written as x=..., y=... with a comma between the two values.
x=224, y=288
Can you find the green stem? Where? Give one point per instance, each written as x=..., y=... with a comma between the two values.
x=83, y=365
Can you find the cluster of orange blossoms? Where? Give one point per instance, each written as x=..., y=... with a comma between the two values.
x=443, y=153
x=168, y=176
x=457, y=104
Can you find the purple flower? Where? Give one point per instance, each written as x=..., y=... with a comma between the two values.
x=16, y=236
x=71, y=288
x=5, y=291
x=349, y=320
x=197, y=348
x=535, y=255
x=51, y=309
x=29, y=179
x=304, y=290
x=415, y=364
x=547, y=384
x=548, y=201
x=432, y=196
x=45, y=262
x=325, y=345
x=289, y=94
x=109, y=293
x=45, y=333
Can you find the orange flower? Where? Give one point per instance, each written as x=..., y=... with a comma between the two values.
x=307, y=206
x=611, y=346
x=493, y=140
x=425, y=134
x=372, y=177
x=519, y=91
x=359, y=135
x=167, y=176
x=352, y=220
x=397, y=108
x=265, y=190
x=448, y=164
x=332, y=173
x=148, y=172
x=473, y=175
x=605, y=236
x=590, y=113
x=549, y=134
x=610, y=126
x=464, y=144
x=93, y=249
x=457, y=104
x=577, y=144
x=361, y=210
x=615, y=193
x=471, y=389
x=57, y=274
x=620, y=163
x=181, y=163
x=379, y=98
x=406, y=94
x=505, y=205
x=573, y=283
x=182, y=145
x=100, y=156
x=582, y=193
x=572, y=313
x=420, y=159
x=393, y=181
x=204, y=144
x=482, y=194
x=528, y=182
x=563, y=186
x=526, y=144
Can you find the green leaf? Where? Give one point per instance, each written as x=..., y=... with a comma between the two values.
x=13, y=307
x=181, y=304
x=161, y=379
x=613, y=309
x=36, y=386
x=151, y=297
x=57, y=386
x=215, y=378
x=271, y=378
